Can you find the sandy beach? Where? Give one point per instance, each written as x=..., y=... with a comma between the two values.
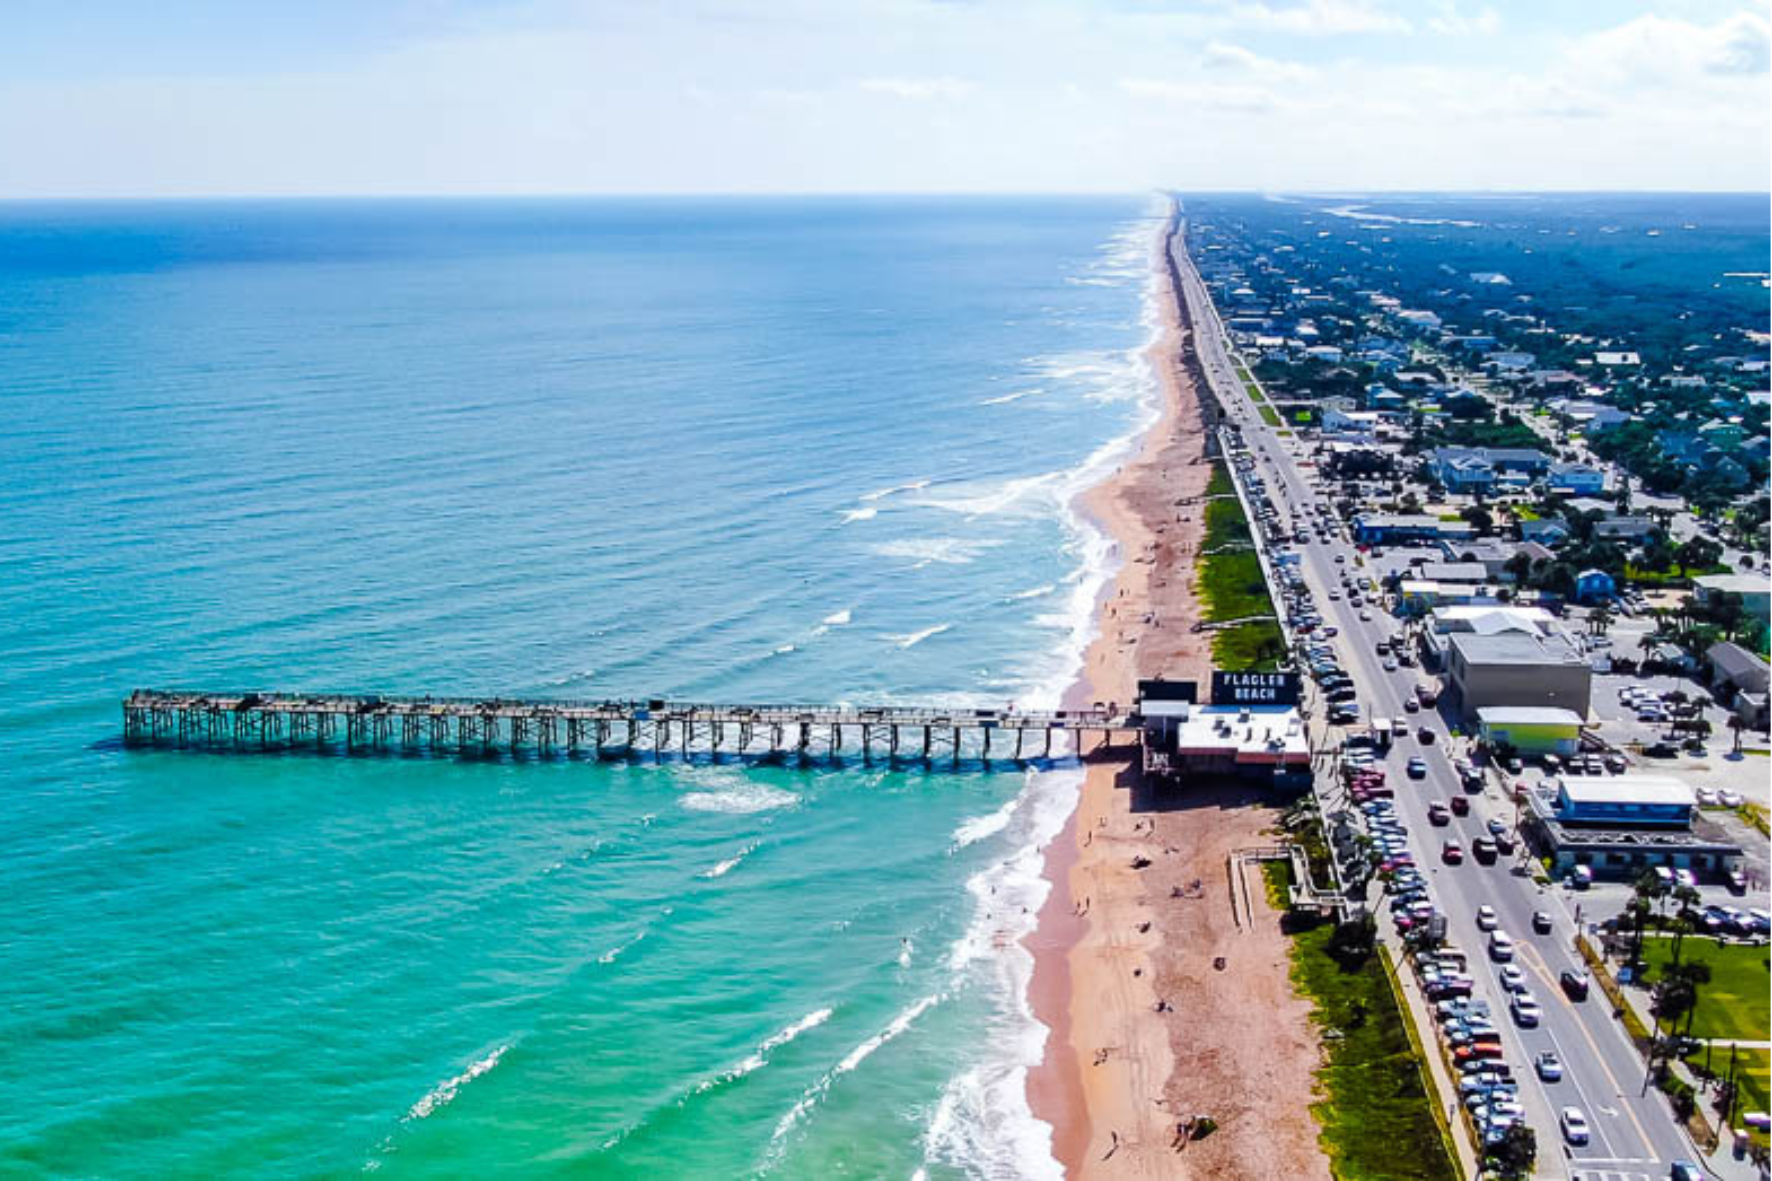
x=1146, y=1032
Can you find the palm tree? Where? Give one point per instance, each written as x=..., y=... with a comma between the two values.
x=1736, y=726
x=1644, y=891
x=1697, y=975
x=1689, y=900
x=1599, y=620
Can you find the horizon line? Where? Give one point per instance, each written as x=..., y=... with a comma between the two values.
x=840, y=194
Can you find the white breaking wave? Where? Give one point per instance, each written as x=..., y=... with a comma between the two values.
x=912, y=639
x=614, y=953
x=883, y=493
x=838, y=618
x=1005, y=399
x=443, y=1093
x=949, y=551
x=741, y=800
x=978, y=828
x=855, y=1058
x=1035, y=593
x=760, y=1058
x=995, y=498
x=731, y=863
x=860, y=514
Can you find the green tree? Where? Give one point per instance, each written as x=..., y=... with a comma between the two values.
x=1697, y=553
x=1517, y=1152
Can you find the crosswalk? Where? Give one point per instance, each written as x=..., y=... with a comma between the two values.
x=1611, y=1171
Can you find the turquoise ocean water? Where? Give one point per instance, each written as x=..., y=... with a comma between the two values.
x=777, y=450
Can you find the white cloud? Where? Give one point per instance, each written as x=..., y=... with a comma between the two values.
x=1213, y=96
x=1450, y=22
x=1319, y=18
x=1653, y=49
x=1218, y=56
x=920, y=89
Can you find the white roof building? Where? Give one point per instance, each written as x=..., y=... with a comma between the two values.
x=1635, y=790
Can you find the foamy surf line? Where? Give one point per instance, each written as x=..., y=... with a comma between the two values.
x=983, y=1124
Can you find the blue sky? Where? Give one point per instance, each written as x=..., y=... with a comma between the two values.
x=199, y=97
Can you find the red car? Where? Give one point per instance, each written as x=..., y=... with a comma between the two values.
x=1452, y=853
x=1461, y=806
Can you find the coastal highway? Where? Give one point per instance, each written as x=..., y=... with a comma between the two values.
x=1633, y=1136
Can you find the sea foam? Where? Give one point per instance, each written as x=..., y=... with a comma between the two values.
x=444, y=1093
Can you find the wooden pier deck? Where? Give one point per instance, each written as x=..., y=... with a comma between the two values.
x=366, y=723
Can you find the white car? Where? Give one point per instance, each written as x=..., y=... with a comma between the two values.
x=1729, y=799
x=1707, y=797
x=1512, y=979
x=1501, y=948
x=1574, y=1125
x=1486, y=920
x=1525, y=1009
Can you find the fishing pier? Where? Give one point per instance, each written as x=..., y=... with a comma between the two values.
x=468, y=727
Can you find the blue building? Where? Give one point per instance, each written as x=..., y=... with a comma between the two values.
x=1593, y=585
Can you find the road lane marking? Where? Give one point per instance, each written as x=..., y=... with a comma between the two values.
x=1600, y=1059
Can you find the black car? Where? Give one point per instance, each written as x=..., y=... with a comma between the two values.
x=1574, y=983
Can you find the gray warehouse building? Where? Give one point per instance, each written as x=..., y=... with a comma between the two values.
x=1516, y=669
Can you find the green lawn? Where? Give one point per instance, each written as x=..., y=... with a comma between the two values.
x=1220, y=483
x=1734, y=1003
x=1374, y=1113
x=1269, y=415
x=1753, y=1072
x=1231, y=586
x=1249, y=647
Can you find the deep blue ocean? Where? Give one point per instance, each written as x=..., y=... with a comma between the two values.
x=777, y=450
